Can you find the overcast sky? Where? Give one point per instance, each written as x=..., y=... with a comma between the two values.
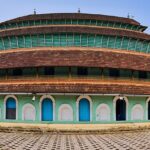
x=140, y=9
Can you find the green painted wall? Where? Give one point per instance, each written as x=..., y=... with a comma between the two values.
x=97, y=100
x=136, y=100
x=22, y=100
x=71, y=100
x=2, y=107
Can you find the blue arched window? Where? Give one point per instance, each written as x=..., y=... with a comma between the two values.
x=84, y=110
x=10, y=108
x=47, y=110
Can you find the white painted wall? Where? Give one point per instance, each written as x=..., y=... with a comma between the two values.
x=28, y=112
x=103, y=113
x=137, y=112
x=65, y=113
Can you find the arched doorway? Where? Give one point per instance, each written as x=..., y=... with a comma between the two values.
x=47, y=110
x=103, y=113
x=84, y=110
x=120, y=110
x=65, y=113
x=148, y=110
x=11, y=108
x=28, y=112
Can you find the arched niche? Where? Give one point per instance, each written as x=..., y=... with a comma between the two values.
x=65, y=113
x=28, y=112
x=137, y=112
x=103, y=113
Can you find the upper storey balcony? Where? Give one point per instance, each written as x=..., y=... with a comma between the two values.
x=74, y=80
x=73, y=73
x=74, y=30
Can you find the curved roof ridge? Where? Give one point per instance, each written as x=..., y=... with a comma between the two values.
x=74, y=16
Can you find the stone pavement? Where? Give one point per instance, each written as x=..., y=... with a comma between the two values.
x=49, y=141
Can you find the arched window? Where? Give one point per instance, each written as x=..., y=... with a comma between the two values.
x=11, y=108
x=28, y=112
x=137, y=112
x=47, y=110
x=103, y=113
x=65, y=113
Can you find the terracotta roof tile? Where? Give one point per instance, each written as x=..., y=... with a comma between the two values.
x=71, y=86
x=71, y=56
x=74, y=16
x=74, y=29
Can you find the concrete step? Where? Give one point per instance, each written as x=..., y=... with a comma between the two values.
x=73, y=128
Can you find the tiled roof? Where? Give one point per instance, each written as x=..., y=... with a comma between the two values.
x=75, y=29
x=77, y=86
x=74, y=56
x=74, y=16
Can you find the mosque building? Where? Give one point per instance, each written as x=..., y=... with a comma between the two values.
x=74, y=68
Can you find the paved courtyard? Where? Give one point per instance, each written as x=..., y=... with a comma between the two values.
x=122, y=141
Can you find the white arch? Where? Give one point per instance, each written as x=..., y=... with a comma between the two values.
x=77, y=105
x=114, y=106
x=137, y=112
x=5, y=99
x=65, y=113
x=103, y=113
x=28, y=112
x=53, y=100
x=147, y=101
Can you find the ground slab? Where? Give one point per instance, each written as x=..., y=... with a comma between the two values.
x=49, y=141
